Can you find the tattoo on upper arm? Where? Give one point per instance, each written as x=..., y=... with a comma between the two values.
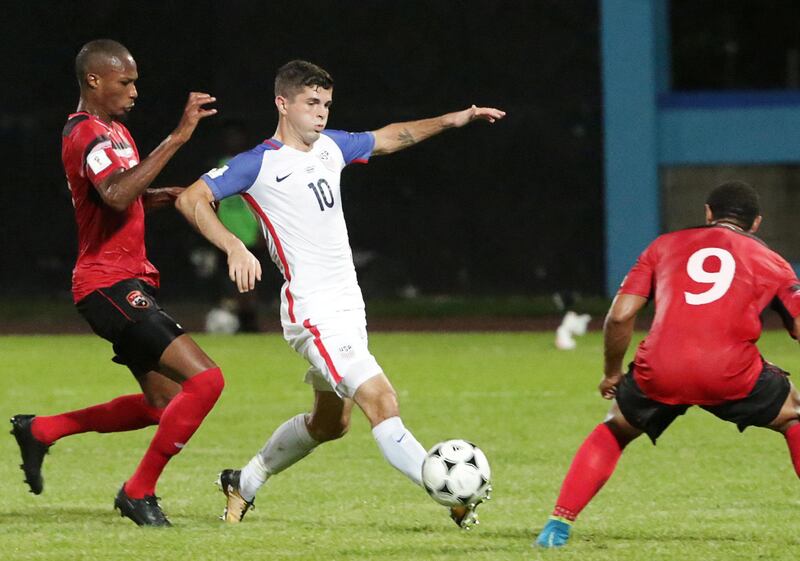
x=406, y=138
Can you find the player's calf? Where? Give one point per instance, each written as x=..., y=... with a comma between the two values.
x=180, y=420
x=400, y=448
x=290, y=443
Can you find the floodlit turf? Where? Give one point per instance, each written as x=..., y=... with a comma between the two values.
x=705, y=492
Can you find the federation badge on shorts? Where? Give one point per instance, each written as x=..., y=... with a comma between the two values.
x=137, y=300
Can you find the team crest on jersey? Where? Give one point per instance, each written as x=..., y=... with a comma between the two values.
x=138, y=300
x=324, y=155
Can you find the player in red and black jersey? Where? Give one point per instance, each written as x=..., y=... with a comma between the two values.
x=114, y=285
x=710, y=285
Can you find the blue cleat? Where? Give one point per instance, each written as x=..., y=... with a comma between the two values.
x=555, y=533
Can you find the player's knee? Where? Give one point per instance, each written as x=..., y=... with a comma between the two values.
x=207, y=385
x=215, y=383
x=325, y=432
x=333, y=432
x=160, y=400
x=385, y=405
x=377, y=399
x=794, y=399
x=623, y=432
x=159, y=391
x=789, y=414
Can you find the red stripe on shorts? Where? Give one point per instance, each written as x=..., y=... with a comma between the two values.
x=322, y=350
x=103, y=294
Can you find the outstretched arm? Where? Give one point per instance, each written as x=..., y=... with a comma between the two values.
x=158, y=198
x=123, y=187
x=397, y=136
x=195, y=205
x=617, y=332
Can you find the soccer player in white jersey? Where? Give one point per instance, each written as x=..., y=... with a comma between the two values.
x=292, y=183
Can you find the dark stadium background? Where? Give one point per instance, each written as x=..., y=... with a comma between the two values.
x=514, y=208
x=508, y=208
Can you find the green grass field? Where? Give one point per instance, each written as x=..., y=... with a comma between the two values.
x=704, y=493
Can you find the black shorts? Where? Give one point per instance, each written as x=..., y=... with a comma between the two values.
x=128, y=315
x=757, y=409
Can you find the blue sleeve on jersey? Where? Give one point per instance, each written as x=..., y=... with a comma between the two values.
x=355, y=146
x=237, y=176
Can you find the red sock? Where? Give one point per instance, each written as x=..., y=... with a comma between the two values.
x=592, y=466
x=793, y=440
x=180, y=420
x=127, y=412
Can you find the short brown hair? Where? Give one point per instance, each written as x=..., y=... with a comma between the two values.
x=297, y=74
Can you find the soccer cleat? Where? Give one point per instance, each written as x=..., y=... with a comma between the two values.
x=555, y=533
x=236, y=506
x=145, y=512
x=465, y=517
x=32, y=451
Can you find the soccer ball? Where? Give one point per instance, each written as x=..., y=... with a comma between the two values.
x=456, y=472
x=220, y=320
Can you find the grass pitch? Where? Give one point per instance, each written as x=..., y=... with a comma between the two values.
x=705, y=492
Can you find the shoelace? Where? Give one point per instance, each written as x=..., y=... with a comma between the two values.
x=152, y=500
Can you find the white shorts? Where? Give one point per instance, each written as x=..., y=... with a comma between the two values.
x=337, y=350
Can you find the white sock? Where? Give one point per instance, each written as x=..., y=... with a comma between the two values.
x=400, y=448
x=253, y=476
x=289, y=443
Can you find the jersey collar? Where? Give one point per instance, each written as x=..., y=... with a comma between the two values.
x=273, y=143
x=93, y=117
x=728, y=225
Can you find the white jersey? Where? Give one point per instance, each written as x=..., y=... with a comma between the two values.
x=297, y=197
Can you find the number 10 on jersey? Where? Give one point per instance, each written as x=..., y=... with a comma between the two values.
x=319, y=192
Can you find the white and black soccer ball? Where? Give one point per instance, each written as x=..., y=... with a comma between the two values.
x=456, y=472
x=220, y=320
